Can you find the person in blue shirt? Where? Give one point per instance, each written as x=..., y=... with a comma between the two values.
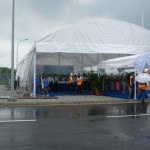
x=46, y=84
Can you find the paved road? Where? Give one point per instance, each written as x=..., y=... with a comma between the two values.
x=90, y=127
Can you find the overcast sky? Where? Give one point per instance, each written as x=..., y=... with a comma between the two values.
x=35, y=19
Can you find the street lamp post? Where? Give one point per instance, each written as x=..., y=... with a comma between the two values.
x=142, y=18
x=12, y=51
x=142, y=24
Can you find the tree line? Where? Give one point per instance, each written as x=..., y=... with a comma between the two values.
x=5, y=75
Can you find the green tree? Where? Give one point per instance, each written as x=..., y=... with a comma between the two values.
x=5, y=74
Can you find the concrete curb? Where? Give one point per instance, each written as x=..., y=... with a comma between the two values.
x=35, y=102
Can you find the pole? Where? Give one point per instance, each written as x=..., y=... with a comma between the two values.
x=34, y=72
x=59, y=59
x=97, y=63
x=12, y=51
x=142, y=17
x=134, y=66
x=82, y=64
x=134, y=83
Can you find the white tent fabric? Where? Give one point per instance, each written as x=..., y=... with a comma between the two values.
x=75, y=59
x=139, y=62
x=25, y=68
x=142, y=61
x=97, y=36
x=85, y=44
x=121, y=62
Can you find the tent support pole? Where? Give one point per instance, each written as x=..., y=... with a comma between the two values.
x=104, y=56
x=34, y=72
x=59, y=58
x=97, y=63
x=82, y=64
x=134, y=83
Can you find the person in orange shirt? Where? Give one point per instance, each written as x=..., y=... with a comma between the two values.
x=142, y=93
x=70, y=80
x=131, y=84
x=79, y=84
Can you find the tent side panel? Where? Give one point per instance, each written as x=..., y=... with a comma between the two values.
x=24, y=70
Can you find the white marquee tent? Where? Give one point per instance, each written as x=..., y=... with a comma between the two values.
x=139, y=62
x=84, y=44
x=111, y=65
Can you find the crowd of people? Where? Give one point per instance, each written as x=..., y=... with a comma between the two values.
x=46, y=83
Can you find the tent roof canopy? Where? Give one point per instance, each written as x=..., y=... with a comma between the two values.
x=97, y=36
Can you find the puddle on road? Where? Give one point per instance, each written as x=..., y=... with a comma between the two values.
x=76, y=111
x=97, y=111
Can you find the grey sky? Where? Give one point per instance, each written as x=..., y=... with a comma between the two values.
x=37, y=18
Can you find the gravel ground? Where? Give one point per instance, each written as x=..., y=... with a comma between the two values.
x=4, y=91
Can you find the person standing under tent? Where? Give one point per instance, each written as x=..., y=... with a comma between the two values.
x=55, y=83
x=42, y=83
x=79, y=84
x=142, y=93
x=71, y=82
x=46, y=84
x=131, y=84
x=42, y=76
x=51, y=82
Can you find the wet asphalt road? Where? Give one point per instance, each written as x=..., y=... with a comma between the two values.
x=91, y=127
